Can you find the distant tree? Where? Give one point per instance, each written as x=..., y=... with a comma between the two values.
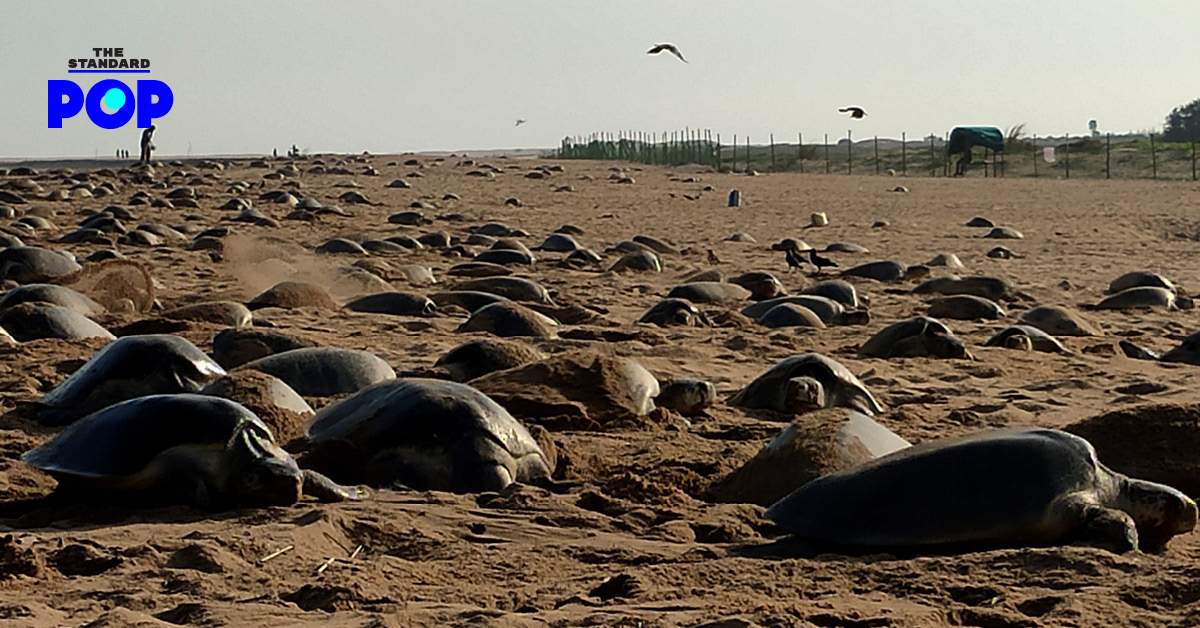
x=1183, y=125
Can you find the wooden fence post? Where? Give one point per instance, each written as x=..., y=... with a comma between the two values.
x=876, y=154
x=1068, y=145
x=849, y=153
x=773, y=153
x=826, y=153
x=903, y=154
x=1153, y=159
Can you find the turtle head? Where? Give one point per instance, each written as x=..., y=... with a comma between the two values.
x=804, y=394
x=262, y=473
x=1019, y=341
x=947, y=346
x=1159, y=511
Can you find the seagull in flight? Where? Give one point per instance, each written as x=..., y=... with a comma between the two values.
x=669, y=48
x=855, y=112
x=520, y=121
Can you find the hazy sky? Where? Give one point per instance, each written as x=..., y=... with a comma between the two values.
x=393, y=76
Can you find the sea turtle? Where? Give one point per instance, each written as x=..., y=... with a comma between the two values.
x=52, y=294
x=31, y=321
x=997, y=488
x=980, y=221
x=186, y=449
x=324, y=371
x=882, y=270
x=1037, y=339
x=917, y=336
x=1059, y=321
x=829, y=311
x=668, y=312
x=395, y=303
x=1187, y=352
x=228, y=313
x=1004, y=233
x=583, y=257
x=814, y=444
x=709, y=292
x=658, y=246
x=687, y=396
x=32, y=264
x=845, y=247
x=293, y=294
x=964, y=307
x=644, y=260
x=469, y=300
x=424, y=434
x=1141, y=297
x=476, y=358
x=987, y=287
x=234, y=347
x=341, y=245
x=560, y=242
x=841, y=291
x=514, y=288
x=949, y=260
x=790, y=315
x=478, y=269
x=806, y=382
x=762, y=285
x=505, y=257
x=128, y=367
x=1138, y=279
x=508, y=318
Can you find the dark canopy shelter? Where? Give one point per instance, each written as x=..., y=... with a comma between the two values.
x=962, y=138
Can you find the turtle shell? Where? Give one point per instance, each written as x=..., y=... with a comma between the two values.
x=895, y=340
x=841, y=291
x=673, y=311
x=1041, y=340
x=429, y=435
x=128, y=367
x=842, y=388
x=112, y=446
x=827, y=309
x=994, y=488
x=709, y=292
x=514, y=288
x=1141, y=296
x=324, y=371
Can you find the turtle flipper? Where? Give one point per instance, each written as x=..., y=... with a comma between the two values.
x=1098, y=526
x=325, y=489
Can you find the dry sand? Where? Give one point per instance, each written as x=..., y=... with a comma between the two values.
x=637, y=547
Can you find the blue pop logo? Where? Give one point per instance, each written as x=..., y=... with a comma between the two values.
x=110, y=104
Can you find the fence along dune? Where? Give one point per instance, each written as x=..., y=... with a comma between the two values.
x=1107, y=156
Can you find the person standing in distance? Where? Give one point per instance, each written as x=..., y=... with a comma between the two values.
x=147, y=146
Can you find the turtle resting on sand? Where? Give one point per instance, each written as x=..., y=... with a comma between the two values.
x=915, y=337
x=185, y=449
x=993, y=489
x=128, y=367
x=424, y=434
x=687, y=396
x=806, y=382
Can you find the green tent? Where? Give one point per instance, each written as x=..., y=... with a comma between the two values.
x=962, y=138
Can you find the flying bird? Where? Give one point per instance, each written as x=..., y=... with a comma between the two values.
x=669, y=48
x=855, y=112
x=520, y=121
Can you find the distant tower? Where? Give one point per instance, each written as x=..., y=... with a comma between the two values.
x=1092, y=128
